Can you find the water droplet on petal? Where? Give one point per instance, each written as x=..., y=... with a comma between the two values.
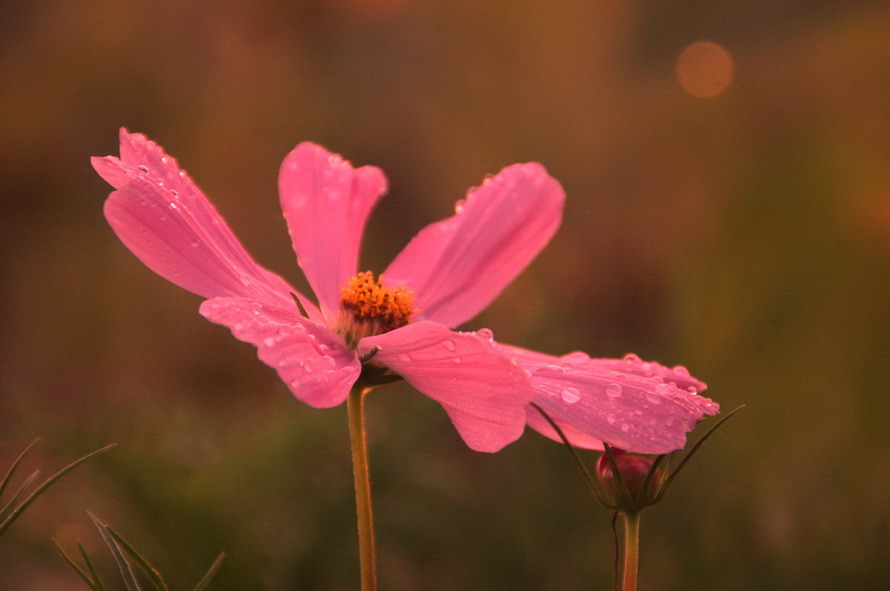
x=692, y=390
x=455, y=360
x=449, y=345
x=653, y=397
x=486, y=333
x=632, y=358
x=570, y=395
x=625, y=427
x=610, y=418
x=663, y=389
x=329, y=360
x=554, y=369
x=613, y=390
x=269, y=341
x=577, y=357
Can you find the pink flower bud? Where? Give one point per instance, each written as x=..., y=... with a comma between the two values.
x=634, y=470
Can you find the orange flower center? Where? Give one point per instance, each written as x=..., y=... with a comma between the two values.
x=368, y=308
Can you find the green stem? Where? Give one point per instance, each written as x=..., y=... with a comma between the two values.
x=367, y=555
x=631, y=550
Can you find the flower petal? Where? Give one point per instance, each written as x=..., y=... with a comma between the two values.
x=168, y=223
x=326, y=203
x=457, y=266
x=311, y=360
x=636, y=412
x=576, y=438
x=483, y=391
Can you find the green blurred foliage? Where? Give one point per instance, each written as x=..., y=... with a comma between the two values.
x=745, y=236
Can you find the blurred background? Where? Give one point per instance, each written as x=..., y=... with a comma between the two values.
x=727, y=166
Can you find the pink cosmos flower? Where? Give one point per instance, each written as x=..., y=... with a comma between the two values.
x=447, y=274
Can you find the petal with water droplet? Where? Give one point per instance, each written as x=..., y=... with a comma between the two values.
x=326, y=203
x=484, y=395
x=309, y=358
x=190, y=244
x=457, y=266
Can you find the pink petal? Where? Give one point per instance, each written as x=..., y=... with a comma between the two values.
x=481, y=389
x=576, y=438
x=311, y=360
x=168, y=223
x=457, y=266
x=326, y=203
x=636, y=412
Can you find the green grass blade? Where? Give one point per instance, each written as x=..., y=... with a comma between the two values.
x=205, y=580
x=15, y=465
x=7, y=511
x=49, y=482
x=80, y=572
x=123, y=564
x=100, y=586
x=151, y=571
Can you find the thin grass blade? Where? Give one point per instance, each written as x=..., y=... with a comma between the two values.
x=15, y=465
x=80, y=572
x=6, y=513
x=49, y=482
x=123, y=565
x=208, y=576
x=151, y=571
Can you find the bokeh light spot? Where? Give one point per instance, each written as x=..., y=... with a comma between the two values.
x=705, y=69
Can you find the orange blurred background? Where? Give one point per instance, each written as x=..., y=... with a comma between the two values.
x=727, y=166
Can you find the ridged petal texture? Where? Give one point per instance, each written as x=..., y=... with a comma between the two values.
x=309, y=358
x=483, y=391
x=168, y=223
x=635, y=405
x=326, y=203
x=457, y=266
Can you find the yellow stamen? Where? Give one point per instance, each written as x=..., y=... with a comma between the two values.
x=369, y=308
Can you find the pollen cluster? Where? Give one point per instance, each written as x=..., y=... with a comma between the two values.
x=369, y=308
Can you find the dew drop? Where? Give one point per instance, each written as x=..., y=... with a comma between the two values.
x=459, y=206
x=570, y=395
x=577, y=357
x=632, y=358
x=613, y=390
x=610, y=418
x=449, y=345
x=625, y=427
x=653, y=397
x=554, y=369
x=485, y=333
x=269, y=341
x=329, y=360
x=455, y=360
x=692, y=390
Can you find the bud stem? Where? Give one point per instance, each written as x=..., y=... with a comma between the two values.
x=631, y=550
x=364, y=513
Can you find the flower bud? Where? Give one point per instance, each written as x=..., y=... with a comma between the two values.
x=633, y=471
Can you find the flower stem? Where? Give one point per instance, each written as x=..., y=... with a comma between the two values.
x=631, y=550
x=367, y=555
